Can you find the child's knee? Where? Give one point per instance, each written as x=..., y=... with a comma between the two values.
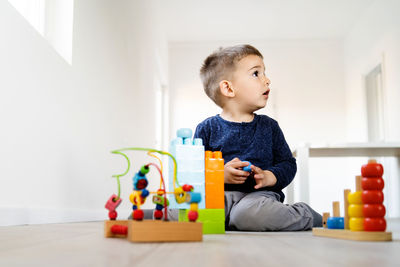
x=252, y=220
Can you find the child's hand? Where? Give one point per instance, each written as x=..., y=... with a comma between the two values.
x=263, y=178
x=232, y=173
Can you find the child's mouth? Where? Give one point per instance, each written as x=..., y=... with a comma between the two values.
x=266, y=92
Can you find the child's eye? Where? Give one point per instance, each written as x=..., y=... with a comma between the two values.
x=255, y=74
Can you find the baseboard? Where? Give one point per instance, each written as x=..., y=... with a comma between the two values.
x=21, y=215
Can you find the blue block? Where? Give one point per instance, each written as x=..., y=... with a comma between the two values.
x=188, y=141
x=188, y=152
x=198, y=142
x=184, y=132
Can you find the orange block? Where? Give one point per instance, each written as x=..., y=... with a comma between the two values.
x=214, y=174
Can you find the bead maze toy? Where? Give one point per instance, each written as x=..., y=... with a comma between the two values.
x=363, y=210
x=160, y=229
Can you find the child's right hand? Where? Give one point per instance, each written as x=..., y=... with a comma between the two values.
x=232, y=172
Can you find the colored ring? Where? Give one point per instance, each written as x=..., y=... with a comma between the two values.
x=375, y=224
x=372, y=170
x=356, y=224
x=355, y=198
x=372, y=183
x=356, y=210
x=372, y=197
x=374, y=210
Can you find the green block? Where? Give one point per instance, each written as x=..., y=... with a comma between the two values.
x=213, y=220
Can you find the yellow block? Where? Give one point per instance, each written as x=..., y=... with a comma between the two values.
x=355, y=198
x=356, y=224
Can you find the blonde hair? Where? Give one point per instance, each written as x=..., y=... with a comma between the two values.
x=220, y=65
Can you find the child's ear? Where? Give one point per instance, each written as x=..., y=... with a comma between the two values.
x=226, y=88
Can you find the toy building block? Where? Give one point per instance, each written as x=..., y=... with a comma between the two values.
x=164, y=231
x=213, y=220
x=365, y=209
x=189, y=155
x=214, y=176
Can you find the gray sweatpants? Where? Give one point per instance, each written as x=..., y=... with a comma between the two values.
x=262, y=211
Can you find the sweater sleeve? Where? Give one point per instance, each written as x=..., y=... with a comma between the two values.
x=284, y=164
x=201, y=132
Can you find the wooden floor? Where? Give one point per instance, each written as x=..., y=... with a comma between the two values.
x=83, y=244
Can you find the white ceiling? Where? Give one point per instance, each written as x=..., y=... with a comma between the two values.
x=205, y=20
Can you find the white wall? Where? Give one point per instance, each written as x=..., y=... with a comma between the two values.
x=60, y=122
x=301, y=98
x=373, y=40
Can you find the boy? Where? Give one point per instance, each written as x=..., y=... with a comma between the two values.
x=234, y=78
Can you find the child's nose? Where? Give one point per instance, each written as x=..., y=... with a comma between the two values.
x=267, y=81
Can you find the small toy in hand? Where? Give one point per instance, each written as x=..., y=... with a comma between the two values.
x=248, y=167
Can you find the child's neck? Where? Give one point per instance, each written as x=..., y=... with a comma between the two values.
x=237, y=116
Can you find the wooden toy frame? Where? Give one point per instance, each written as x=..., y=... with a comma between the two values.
x=156, y=231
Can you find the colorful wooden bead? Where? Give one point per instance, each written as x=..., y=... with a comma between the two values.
x=160, y=192
x=194, y=206
x=356, y=210
x=145, y=193
x=187, y=188
x=372, y=169
x=356, y=224
x=335, y=223
x=193, y=197
x=158, y=214
x=140, y=184
x=117, y=229
x=193, y=215
x=144, y=169
x=372, y=197
x=374, y=210
x=355, y=198
x=372, y=183
x=375, y=224
x=138, y=215
x=112, y=214
x=113, y=202
x=160, y=200
x=180, y=195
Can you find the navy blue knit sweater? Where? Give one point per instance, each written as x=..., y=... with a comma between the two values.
x=260, y=141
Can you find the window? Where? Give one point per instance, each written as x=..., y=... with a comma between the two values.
x=53, y=19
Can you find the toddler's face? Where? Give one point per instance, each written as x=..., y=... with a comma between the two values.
x=250, y=84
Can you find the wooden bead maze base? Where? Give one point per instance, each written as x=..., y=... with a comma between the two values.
x=352, y=235
x=155, y=231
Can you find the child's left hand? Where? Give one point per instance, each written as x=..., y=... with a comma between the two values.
x=263, y=178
